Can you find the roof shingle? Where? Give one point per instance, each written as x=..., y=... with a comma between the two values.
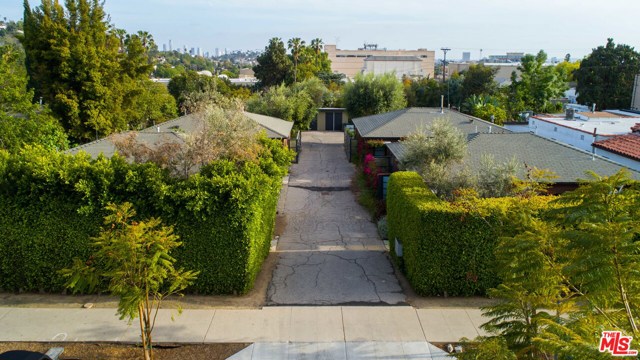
x=625, y=145
x=399, y=124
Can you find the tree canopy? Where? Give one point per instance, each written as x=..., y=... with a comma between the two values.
x=274, y=66
x=83, y=68
x=606, y=76
x=373, y=94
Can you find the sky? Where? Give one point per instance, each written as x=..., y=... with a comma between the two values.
x=495, y=26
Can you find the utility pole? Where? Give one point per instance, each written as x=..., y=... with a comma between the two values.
x=444, y=73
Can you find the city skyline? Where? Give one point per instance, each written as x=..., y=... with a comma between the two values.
x=558, y=28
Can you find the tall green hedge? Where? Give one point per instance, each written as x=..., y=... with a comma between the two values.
x=446, y=248
x=51, y=204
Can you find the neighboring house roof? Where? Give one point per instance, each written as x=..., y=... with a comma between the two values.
x=626, y=145
x=276, y=128
x=401, y=123
x=170, y=132
x=106, y=146
x=568, y=163
x=392, y=58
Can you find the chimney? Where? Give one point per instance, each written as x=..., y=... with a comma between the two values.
x=593, y=108
x=158, y=127
x=489, y=129
x=570, y=113
x=441, y=104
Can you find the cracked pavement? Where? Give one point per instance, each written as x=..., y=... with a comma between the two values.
x=330, y=252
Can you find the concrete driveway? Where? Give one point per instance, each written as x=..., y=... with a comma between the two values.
x=330, y=252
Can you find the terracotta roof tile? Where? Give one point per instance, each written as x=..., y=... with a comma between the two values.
x=626, y=145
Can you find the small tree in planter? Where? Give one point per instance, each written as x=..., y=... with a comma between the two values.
x=133, y=258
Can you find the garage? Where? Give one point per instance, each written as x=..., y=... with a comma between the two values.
x=330, y=119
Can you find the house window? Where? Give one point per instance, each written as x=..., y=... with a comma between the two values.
x=379, y=151
x=555, y=128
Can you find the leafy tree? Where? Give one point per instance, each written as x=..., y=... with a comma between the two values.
x=478, y=80
x=567, y=70
x=21, y=121
x=432, y=152
x=570, y=272
x=538, y=83
x=274, y=66
x=81, y=67
x=296, y=45
x=373, y=94
x=133, y=257
x=606, y=76
x=424, y=92
x=190, y=84
x=291, y=104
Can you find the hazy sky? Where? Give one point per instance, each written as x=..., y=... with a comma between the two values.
x=496, y=26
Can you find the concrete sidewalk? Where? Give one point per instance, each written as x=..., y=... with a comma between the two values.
x=267, y=325
x=291, y=332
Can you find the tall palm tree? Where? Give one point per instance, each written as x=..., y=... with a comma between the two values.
x=296, y=45
x=147, y=39
x=317, y=45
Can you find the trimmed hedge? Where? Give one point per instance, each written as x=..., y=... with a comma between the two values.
x=51, y=204
x=446, y=249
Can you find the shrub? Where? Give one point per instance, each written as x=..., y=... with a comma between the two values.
x=52, y=204
x=447, y=247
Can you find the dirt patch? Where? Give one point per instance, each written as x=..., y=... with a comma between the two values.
x=105, y=351
x=281, y=224
x=256, y=298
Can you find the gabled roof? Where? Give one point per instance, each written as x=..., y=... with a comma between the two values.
x=568, y=163
x=106, y=146
x=400, y=123
x=276, y=128
x=173, y=131
x=625, y=145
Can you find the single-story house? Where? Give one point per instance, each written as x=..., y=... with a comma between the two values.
x=569, y=164
x=173, y=131
x=397, y=125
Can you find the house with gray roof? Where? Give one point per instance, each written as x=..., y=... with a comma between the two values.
x=569, y=164
x=397, y=125
x=176, y=130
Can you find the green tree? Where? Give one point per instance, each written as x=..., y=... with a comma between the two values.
x=81, y=67
x=296, y=45
x=425, y=92
x=538, y=83
x=432, y=152
x=567, y=70
x=606, y=76
x=370, y=94
x=317, y=45
x=133, y=257
x=190, y=85
x=291, y=104
x=569, y=272
x=21, y=121
x=274, y=66
x=478, y=80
